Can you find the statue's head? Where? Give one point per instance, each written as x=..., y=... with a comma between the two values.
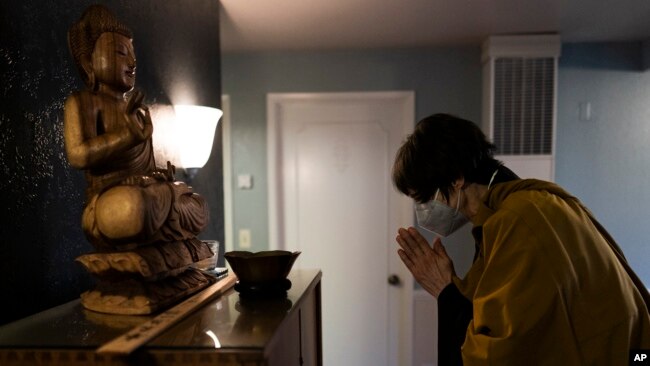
x=102, y=49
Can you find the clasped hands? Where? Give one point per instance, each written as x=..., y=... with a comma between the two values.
x=431, y=267
x=138, y=117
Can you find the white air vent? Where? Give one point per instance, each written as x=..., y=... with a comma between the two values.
x=519, y=101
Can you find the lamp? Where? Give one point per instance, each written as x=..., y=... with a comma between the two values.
x=183, y=135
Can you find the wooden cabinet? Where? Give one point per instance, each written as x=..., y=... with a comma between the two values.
x=298, y=342
x=227, y=331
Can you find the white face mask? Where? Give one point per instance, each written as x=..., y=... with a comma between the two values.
x=439, y=218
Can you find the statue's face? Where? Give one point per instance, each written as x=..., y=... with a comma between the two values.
x=113, y=61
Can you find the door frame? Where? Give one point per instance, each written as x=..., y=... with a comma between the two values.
x=401, y=298
x=227, y=174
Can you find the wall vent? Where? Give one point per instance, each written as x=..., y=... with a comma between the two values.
x=520, y=88
x=523, y=105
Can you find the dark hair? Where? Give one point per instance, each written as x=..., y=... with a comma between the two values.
x=442, y=149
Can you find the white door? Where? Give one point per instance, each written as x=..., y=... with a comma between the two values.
x=331, y=197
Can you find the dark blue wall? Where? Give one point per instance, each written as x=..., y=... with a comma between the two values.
x=177, y=47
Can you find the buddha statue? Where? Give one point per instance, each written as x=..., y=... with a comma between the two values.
x=141, y=221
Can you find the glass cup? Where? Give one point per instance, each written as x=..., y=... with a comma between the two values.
x=210, y=263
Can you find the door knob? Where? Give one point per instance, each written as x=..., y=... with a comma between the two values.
x=394, y=280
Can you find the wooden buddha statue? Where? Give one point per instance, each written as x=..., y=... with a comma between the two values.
x=142, y=223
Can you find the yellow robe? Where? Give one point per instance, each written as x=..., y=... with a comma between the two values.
x=548, y=286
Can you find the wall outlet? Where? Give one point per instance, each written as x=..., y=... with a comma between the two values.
x=244, y=238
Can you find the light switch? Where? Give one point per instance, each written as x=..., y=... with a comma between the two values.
x=584, y=111
x=245, y=181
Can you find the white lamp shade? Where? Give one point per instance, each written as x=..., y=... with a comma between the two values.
x=195, y=132
x=183, y=134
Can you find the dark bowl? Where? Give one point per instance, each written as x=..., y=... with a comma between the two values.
x=261, y=267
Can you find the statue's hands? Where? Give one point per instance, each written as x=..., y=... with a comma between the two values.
x=138, y=117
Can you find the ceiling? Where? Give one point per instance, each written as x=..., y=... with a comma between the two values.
x=281, y=25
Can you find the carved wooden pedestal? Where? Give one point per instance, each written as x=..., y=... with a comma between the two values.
x=146, y=279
